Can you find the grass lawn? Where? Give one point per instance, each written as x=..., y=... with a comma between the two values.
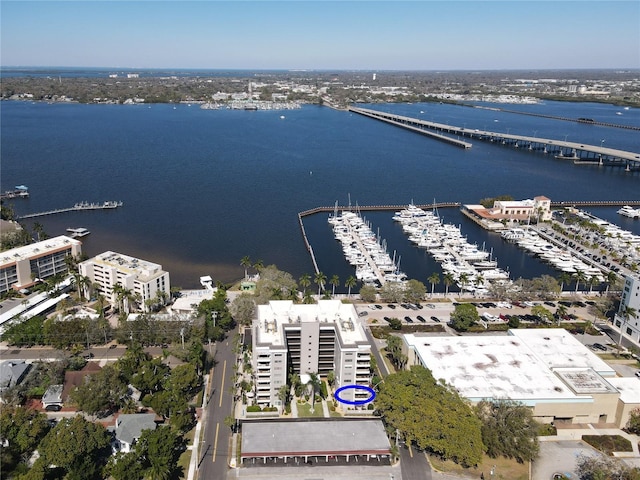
x=304, y=410
x=505, y=469
x=184, y=461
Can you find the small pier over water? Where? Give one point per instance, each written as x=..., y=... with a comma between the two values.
x=109, y=205
x=579, y=153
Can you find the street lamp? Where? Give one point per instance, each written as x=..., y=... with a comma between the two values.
x=601, y=142
x=535, y=133
x=565, y=137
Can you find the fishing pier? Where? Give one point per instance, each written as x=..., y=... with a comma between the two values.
x=109, y=205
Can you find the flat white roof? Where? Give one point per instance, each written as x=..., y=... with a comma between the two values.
x=629, y=388
x=557, y=348
x=36, y=249
x=142, y=269
x=275, y=314
x=512, y=366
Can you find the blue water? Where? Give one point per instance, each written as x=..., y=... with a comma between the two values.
x=203, y=188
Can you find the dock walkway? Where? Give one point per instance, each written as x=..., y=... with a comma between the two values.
x=108, y=205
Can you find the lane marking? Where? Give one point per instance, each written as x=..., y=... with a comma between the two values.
x=410, y=451
x=215, y=442
x=224, y=369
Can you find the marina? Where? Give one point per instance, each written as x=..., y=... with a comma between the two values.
x=364, y=250
x=470, y=267
x=20, y=191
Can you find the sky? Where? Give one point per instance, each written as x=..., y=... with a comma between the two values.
x=321, y=35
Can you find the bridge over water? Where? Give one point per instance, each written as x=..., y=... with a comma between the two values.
x=579, y=153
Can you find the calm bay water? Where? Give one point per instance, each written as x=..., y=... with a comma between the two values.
x=202, y=188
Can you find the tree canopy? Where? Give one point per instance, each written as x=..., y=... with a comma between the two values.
x=432, y=415
x=508, y=430
x=463, y=316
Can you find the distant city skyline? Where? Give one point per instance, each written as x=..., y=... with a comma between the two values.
x=321, y=35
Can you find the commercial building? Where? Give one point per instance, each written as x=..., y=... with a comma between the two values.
x=21, y=266
x=146, y=281
x=547, y=369
x=318, y=442
x=318, y=338
x=538, y=209
x=629, y=303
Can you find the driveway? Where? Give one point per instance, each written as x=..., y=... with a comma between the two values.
x=559, y=456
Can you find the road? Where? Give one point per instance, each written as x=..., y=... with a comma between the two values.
x=215, y=445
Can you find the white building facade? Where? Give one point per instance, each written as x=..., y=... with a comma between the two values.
x=317, y=338
x=19, y=267
x=630, y=298
x=142, y=278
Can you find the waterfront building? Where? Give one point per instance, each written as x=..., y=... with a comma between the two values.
x=521, y=210
x=21, y=266
x=146, y=281
x=630, y=299
x=317, y=338
x=548, y=370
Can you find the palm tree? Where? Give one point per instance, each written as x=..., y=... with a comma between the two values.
x=580, y=277
x=561, y=311
x=314, y=383
x=433, y=279
x=612, y=278
x=335, y=280
x=479, y=279
x=448, y=280
x=246, y=263
x=626, y=313
x=320, y=279
x=463, y=279
x=593, y=279
x=305, y=282
x=259, y=265
x=563, y=278
x=350, y=282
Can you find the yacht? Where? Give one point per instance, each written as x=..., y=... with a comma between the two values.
x=630, y=212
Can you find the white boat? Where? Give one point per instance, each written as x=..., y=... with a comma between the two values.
x=630, y=212
x=78, y=232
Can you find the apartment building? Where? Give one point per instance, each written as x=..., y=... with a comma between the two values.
x=21, y=266
x=142, y=278
x=630, y=298
x=318, y=338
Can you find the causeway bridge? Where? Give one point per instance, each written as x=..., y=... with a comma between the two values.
x=579, y=153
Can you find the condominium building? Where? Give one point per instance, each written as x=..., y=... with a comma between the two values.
x=630, y=303
x=142, y=278
x=303, y=339
x=21, y=266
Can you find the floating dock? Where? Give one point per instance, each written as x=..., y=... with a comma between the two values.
x=108, y=205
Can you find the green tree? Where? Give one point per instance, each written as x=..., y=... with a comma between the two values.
x=580, y=278
x=392, y=292
x=77, y=446
x=368, y=293
x=150, y=376
x=463, y=316
x=433, y=279
x=448, y=280
x=432, y=415
x=125, y=466
x=320, y=279
x=314, y=386
x=605, y=468
x=102, y=392
x=633, y=425
x=395, y=323
x=350, y=282
x=334, y=281
x=159, y=451
x=246, y=263
x=243, y=308
x=21, y=429
x=414, y=291
x=508, y=430
x=543, y=313
x=275, y=284
x=626, y=313
x=394, y=350
x=305, y=282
